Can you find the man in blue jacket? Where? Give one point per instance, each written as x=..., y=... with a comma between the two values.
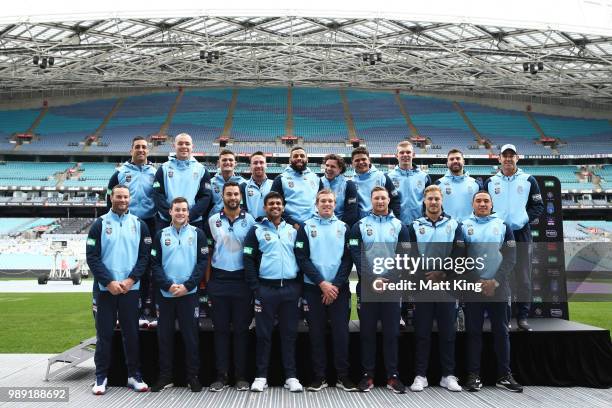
x=489, y=238
x=410, y=181
x=379, y=235
x=257, y=187
x=323, y=255
x=437, y=237
x=138, y=174
x=182, y=176
x=272, y=274
x=180, y=254
x=298, y=186
x=366, y=178
x=117, y=254
x=225, y=173
x=457, y=187
x=347, y=207
x=517, y=200
x=228, y=292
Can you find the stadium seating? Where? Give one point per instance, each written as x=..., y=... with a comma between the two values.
x=260, y=114
x=318, y=115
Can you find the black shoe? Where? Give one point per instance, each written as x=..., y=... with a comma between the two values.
x=509, y=384
x=242, y=385
x=219, y=384
x=366, y=383
x=473, y=383
x=523, y=325
x=346, y=384
x=394, y=384
x=161, y=384
x=194, y=384
x=317, y=385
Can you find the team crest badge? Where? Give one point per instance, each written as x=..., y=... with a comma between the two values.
x=128, y=178
x=243, y=223
x=470, y=231
x=291, y=184
x=195, y=175
x=448, y=190
x=218, y=223
x=250, y=192
x=396, y=183
x=267, y=236
x=170, y=173
x=519, y=189
x=422, y=230
x=167, y=242
x=419, y=184
x=190, y=240
x=369, y=232
x=392, y=231
x=497, y=190
x=217, y=190
x=313, y=233
x=109, y=230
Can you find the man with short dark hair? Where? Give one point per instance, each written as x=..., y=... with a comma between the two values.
x=225, y=173
x=117, y=254
x=489, y=238
x=179, y=257
x=366, y=178
x=271, y=273
x=182, y=176
x=322, y=253
x=347, y=207
x=229, y=295
x=138, y=174
x=380, y=234
x=298, y=186
x=257, y=187
x=457, y=187
x=518, y=201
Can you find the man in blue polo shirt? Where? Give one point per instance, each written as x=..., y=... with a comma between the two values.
x=228, y=292
x=298, y=186
x=322, y=253
x=225, y=173
x=347, y=207
x=117, y=255
x=180, y=254
x=182, y=176
x=457, y=187
x=257, y=187
x=138, y=174
x=272, y=274
x=517, y=200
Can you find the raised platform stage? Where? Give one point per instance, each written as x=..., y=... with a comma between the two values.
x=556, y=353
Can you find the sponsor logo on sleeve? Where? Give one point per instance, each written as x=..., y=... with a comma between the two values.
x=248, y=250
x=91, y=242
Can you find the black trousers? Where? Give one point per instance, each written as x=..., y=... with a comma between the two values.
x=424, y=315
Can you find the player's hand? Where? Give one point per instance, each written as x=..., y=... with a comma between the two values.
x=127, y=284
x=180, y=291
x=488, y=287
x=328, y=290
x=115, y=288
x=296, y=226
x=326, y=300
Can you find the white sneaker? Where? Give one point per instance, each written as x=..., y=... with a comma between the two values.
x=152, y=324
x=137, y=384
x=99, y=387
x=143, y=323
x=293, y=385
x=419, y=384
x=450, y=383
x=259, y=384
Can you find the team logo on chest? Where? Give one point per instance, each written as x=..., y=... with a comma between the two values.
x=396, y=183
x=190, y=240
x=109, y=230
x=391, y=231
x=218, y=223
x=267, y=237
x=470, y=231
x=291, y=184
x=519, y=189
x=422, y=230
x=497, y=190
x=170, y=173
x=448, y=190
x=313, y=233
x=250, y=192
x=419, y=184
x=128, y=177
x=167, y=242
x=243, y=223
x=369, y=232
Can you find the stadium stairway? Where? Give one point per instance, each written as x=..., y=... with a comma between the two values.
x=229, y=120
x=289, y=121
x=348, y=118
x=102, y=126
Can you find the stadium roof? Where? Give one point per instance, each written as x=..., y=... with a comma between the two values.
x=414, y=50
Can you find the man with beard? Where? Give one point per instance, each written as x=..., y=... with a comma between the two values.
x=366, y=178
x=138, y=175
x=257, y=187
x=517, y=200
x=457, y=187
x=272, y=274
x=225, y=173
x=298, y=186
x=182, y=176
x=347, y=208
x=228, y=292
x=410, y=181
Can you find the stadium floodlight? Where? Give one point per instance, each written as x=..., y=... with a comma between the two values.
x=51, y=61
x=525, y=66
x=364, y=57
x=35, y=60
x=43, y=63
x=202, y=54
x=532, y=68
x=379, y=56
x=540, y=66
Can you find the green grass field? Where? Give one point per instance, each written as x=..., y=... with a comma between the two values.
x=54, y=322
